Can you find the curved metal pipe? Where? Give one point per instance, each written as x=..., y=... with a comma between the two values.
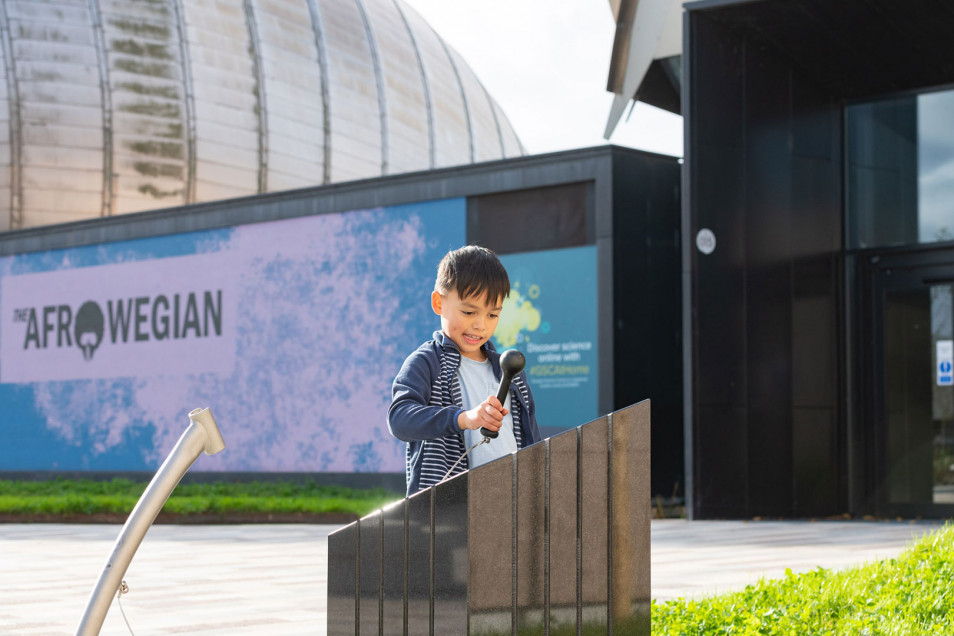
x=202, y=436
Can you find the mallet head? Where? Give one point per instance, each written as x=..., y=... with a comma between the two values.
x=511, y=363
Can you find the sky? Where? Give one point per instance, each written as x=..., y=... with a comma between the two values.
x=546, y=63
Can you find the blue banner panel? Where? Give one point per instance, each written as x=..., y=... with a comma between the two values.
x=550, y=316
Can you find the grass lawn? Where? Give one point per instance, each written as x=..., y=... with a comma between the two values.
x=912, y=594
x=72, y=500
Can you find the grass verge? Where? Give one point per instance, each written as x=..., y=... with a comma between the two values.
x=105, y=500
x=910, y=594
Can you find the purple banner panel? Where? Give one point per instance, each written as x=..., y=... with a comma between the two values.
x=168, y=316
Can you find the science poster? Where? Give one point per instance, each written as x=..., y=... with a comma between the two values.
x=551, y=317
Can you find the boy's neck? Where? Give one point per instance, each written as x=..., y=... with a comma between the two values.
x=479, y=356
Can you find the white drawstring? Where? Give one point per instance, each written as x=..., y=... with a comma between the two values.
x=483, y=441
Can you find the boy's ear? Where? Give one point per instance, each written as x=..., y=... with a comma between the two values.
x=436, y=302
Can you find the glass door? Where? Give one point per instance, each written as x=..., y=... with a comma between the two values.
x=914, y=390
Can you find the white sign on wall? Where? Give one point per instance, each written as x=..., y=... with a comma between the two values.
x=945, y=362
x=167, y=316
x=706, y=241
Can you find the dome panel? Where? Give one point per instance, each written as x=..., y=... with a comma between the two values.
x=114, y=106
x=483, y=120
x=225, y=91
x=52, y=134
x=69, y=12
x=59, y=45
x=220, y=150
x=59, y=71
x=6, y=149
x=452, y=142
x=355, y=112
x=292, y=94
x=75, y=203
x=401, y=79
x=141, y=58
x=43, y=114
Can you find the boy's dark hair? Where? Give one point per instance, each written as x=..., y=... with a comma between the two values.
x=473, y=271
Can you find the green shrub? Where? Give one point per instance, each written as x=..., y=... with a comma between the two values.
x=910, y=594
x=119, y=496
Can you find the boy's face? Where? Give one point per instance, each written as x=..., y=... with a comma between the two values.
x=469, y=322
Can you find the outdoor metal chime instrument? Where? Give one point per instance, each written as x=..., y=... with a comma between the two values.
x=202, y=436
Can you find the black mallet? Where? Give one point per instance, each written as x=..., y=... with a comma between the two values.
x=511, y=363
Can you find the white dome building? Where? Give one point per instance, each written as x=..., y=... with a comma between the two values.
x=115, y=106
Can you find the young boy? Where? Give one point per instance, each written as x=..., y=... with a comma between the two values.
x=446, y=390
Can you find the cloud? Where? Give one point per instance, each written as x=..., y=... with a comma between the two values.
x=546, y=63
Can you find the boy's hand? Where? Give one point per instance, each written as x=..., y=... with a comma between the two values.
x=488, y=414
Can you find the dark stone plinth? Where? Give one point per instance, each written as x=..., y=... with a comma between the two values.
x=555, y=534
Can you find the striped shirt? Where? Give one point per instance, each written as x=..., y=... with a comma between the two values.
x=426, y=401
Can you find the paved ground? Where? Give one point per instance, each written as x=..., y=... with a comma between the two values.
x=271, y=579
x=702, y=558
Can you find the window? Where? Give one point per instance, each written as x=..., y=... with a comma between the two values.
x=900, y=171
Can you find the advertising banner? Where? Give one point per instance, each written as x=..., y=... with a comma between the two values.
x=291, y=331
x=551, y=316
x=169, y=316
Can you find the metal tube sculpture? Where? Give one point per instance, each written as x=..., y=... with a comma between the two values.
x=202, y=436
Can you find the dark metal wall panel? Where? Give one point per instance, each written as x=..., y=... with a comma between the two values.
x=606, y=351
x=769, y=461
x=769, y=320
x=720, y=463
x=767, y=229
x=817, y=386
x=819, y=428
x=719, y=286
x=815, y=125
x=854, y=48
x=815, y=377
x=769, y=369
x=765, y=176
x=537, y=219
x=717, y=194
x=647, y=299
x=719, y=69
x=816, y=461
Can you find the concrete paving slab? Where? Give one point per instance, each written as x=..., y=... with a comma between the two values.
x=702, y=558
x=271, y=579
x=242, y=579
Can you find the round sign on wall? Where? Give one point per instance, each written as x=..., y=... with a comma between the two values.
x=705, y=241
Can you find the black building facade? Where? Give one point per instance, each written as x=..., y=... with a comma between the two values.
x=818, y=329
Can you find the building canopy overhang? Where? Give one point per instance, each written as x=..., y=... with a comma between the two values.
x=854, y=48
